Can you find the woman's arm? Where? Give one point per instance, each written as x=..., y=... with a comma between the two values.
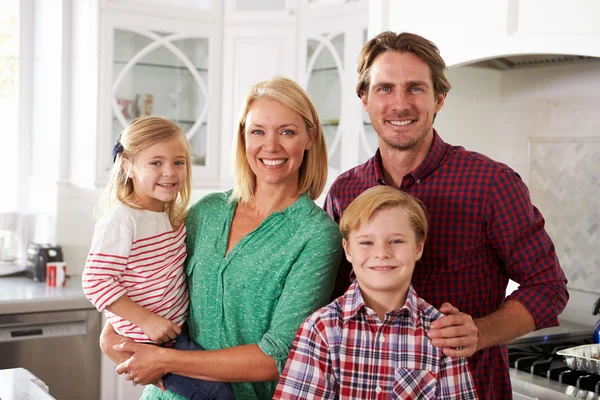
x=246, y=363
x=110, y=338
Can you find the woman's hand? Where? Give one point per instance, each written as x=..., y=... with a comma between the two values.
x=144, y=363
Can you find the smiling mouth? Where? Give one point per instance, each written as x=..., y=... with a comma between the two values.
x=273, y=162
x=382, y=268
x=167, y=185
x=402, y=123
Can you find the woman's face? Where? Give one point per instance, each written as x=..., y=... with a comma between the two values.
x=276, y=138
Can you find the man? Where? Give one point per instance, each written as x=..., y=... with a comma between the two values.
x=484, y=229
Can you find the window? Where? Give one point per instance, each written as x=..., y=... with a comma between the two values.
x=9, y=104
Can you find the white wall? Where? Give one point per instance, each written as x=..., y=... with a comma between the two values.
x=497, y=112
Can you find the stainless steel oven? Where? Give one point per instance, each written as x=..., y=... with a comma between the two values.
x=60, y=348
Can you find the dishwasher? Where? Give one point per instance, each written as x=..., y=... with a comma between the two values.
x=59, y=347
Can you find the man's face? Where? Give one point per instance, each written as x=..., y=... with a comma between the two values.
x=400, y=100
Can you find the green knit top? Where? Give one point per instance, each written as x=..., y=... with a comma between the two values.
x=262, y=290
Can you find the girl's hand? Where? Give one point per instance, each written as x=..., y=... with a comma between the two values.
x=145, y=366
x=158, y=329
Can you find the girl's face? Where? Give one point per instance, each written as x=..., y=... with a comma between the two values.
x=158, y=174
x=276, y=138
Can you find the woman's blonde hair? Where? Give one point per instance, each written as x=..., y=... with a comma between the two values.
x=380, y=198
x=313, y=170
x=138, y=136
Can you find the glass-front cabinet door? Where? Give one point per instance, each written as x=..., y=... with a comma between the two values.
x=328, y=54
x=325, y=68
x=167, y=73
x=157, y=74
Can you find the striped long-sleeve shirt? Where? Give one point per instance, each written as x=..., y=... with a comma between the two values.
x=137, y=253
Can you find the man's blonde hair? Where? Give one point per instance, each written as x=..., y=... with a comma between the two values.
x=380, y=198
x=313, y=170
x=139, y=135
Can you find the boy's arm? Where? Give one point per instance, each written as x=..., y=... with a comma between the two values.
x=308, y=372
x=455, y=380
x=157, y=328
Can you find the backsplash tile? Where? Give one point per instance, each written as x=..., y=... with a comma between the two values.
x=564, y=180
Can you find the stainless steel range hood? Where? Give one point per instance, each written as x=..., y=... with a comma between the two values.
x=531, y=60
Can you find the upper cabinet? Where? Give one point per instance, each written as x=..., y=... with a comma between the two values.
x=329, y=48
x=164, y=67
x=472, y=30
x=193, y=61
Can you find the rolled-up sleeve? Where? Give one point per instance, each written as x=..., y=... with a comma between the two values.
x=517, y=231
x=307, y=288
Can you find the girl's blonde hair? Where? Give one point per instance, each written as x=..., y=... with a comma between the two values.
x=380, y=198
x=313, y=170
x=138, y=136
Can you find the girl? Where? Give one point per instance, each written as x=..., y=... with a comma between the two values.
x=134, y=271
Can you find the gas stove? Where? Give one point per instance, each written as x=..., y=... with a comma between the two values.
x=537, y=372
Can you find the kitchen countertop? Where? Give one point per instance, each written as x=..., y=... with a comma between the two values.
x=20, y=384
x=566, y=328
x=19, y=294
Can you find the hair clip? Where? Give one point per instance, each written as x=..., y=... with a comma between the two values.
x=117, y=149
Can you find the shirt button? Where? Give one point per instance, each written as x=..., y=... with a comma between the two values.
x=378, y=389
x=381, y=339
x=418, y=181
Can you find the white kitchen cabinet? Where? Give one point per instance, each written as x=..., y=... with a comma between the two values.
x=469, y=30
x=159, y=66
x=259, y=42
x=329, y=49
x=193, y=62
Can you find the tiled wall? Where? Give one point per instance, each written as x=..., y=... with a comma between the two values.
x=564, y=181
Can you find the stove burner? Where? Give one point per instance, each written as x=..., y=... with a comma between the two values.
x=541, y=359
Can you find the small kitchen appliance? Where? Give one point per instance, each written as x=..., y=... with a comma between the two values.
x=595, y=311
x=37, y=256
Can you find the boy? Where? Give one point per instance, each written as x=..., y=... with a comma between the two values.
x=371, y=343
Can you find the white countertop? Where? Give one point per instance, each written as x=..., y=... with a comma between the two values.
x=20, y=384
x=19, y=294
x=565, y=328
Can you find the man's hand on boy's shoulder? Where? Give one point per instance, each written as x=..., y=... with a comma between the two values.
x=455, y=332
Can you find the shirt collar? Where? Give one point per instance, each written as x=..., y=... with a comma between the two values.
x=352, y=303
x=428, y=165
x=299, y=209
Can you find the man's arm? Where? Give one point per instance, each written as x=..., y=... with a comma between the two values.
x=515, y=229
x=461, y=336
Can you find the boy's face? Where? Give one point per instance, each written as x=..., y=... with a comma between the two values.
x=383, y=252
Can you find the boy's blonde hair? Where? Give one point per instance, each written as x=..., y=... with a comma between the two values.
x=313, y=171
x=142, y=133
x=380, y=198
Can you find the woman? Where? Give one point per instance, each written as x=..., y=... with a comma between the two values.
x=261, y=258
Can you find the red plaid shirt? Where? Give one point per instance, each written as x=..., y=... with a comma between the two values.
x=483, y=231
x=344, y=351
